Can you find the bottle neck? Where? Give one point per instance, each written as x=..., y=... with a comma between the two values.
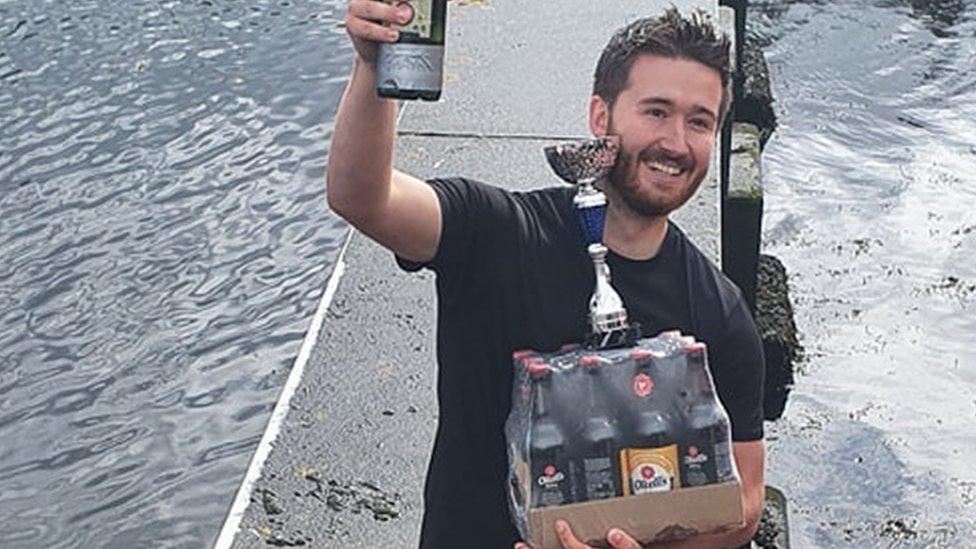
x=593, y=391
x=540, y=400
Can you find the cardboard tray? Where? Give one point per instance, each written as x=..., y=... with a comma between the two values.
x=651, y=517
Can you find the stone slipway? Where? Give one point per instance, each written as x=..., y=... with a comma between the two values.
x=350, y=442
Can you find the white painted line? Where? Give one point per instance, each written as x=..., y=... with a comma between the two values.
x=403, y=109
x=233, y=522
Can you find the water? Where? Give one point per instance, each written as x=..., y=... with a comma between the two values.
x=163, y=246
x=870, y=204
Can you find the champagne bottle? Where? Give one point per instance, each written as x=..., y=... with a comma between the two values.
x=413, y=66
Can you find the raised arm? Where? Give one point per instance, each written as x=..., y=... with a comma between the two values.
x=395, y=209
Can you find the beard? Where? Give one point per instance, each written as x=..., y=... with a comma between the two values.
x=625, y=185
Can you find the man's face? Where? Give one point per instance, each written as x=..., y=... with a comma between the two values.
x=666, y=118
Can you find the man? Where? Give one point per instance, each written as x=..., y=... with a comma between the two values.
x=512, y=271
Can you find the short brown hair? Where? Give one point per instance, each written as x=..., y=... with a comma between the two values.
x=669, y=35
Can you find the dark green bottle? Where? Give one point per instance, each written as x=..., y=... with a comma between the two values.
x=413, y=67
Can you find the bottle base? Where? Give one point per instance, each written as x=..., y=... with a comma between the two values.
x=409, y=95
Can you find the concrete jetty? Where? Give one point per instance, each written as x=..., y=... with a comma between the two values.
x=345, y=455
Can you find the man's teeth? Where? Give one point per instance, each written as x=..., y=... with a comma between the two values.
x=664, y=168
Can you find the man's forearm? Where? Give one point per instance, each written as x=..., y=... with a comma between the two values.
x=361, y=157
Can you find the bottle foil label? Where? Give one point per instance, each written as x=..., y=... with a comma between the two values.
x=416, y=67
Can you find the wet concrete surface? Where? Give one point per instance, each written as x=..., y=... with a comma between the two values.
x=348, y=466
x=524, y=66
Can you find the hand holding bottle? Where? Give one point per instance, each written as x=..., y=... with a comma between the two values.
x=370, y=22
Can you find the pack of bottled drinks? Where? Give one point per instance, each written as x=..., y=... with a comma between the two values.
x=613, y=424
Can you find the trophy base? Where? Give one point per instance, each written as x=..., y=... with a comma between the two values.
x=621, y=337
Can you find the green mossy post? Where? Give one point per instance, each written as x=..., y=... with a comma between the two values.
x=742, y=212
x=727, y=19
x=762, y=279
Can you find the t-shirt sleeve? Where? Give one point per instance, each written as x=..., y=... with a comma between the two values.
x=740, y=377
x=476, y=221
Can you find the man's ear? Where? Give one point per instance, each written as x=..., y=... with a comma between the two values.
x=599, y=116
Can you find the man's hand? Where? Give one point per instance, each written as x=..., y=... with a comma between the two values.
x=369, y=22
x=617, y=538
x=397, y=210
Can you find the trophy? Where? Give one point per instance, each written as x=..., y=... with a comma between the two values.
x=582, y=164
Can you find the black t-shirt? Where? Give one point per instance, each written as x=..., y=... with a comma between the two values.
x=513, y=273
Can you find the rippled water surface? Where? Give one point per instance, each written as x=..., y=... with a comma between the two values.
x=871, y=204
x=163, y=246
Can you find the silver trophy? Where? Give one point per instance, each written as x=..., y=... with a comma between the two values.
x=582, y=164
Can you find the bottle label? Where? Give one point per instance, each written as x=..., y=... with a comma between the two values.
x=551, y=486
x=698, y=467
x=598, y=478
x=723, y=462
x=649, y=469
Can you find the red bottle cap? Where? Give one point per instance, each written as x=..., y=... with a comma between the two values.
x=589, y=361
x=641, y=354
x=695, y=348
x=538, y=369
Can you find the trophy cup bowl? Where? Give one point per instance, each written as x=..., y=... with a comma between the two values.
x=585, y=161
x=581, y=164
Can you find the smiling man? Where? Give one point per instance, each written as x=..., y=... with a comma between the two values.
x=512, y=272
